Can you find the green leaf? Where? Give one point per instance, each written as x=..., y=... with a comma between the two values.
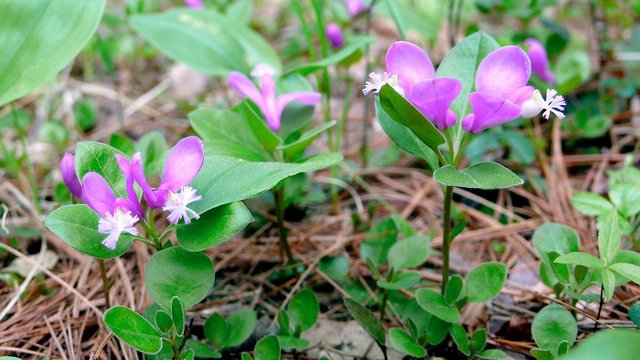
x=401, y=111
x=268, y=348
x=299, y=146
x=626, y=198
x=410, y=252
x=177, y=314
x=455, y=290
x=459, y=336
x=187, y=354
x=478, y=340
x=229, y=133
x=573, y=68
x=403, y=342
x=553, y=237
x=303, y=310
x=240, y=326
x=553, y=325
x=292, y=343
x=133, y=329
x=591, y=204
x=122, y=143
x=163, y=321
x=608, y=282
x=77, y=225
x=201, y=350
x=100, y=158
x=214, y=227
x=206, y=40
x=485, y=281
x=366, y=319
x=258, y=125
x=493, y=354
x=462, y=63
x=609, y=237
x=634, y=314
x=521, y=148
x=347, y=50
x=246, y=179
x=434, y=303
x=630, y=271
x=216, y=330
x=580, y=258
x=403, y=280
x=86, y=114
x=40, y=37
x=54, y=132
x=483, y=175
x=246, y=356
x=152, y=148
x=404, y=138
x=607, y=344
x=177, y=272
x=396, y=15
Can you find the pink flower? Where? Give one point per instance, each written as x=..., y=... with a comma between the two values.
x=539, y=60
x=194, y=4
x=356, y=7
x=334, y=34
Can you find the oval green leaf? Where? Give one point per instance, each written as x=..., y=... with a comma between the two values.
x=402, y=341
x=485, y=281
x=553, y=325
x=485, y=175
x=133, y=329
x=267, y=348
x=214, y=227
x=435, y=304
x=178, y=272
x=410, y=252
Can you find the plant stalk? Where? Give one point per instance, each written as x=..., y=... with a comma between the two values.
x=595, y=323
x=106, y=285
x=446, y=234
x=284, y=243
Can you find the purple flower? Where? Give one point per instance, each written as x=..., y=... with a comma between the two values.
x=411, y=73
x=118, y=215
x=502, y=93
x=69, y=176
x=173, y=193
x=194, y=4
x=265, y=98
x=334, y=34
x=539, y=60
x=356, y=7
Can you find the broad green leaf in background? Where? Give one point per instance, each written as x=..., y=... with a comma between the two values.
x=590, y=203
x=366, y=319
x=240, y=325
x=133, y=329
x=409, y=252
x=573, y=68
x=100, y=158
x=485, y=281
x=39, y=38
x=608, y=344
x=267, y=348
x=214, y=227
x=228, y=133
x=553, y=325
x=303, y=310
x=554, y=237
x=404, y=138
x=609, y=237
x=634, y=314
x=242, y=179
x=216, y=330
x=178, y=272
x=435, y=304
x=401, y=111
x=207, y=41
x=403, y=342
x=482, y=175
x=77, y=225
x=461, y=63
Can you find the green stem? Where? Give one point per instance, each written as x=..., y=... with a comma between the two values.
x=385, y=295
x=106, y=285
x=151, y=230
x=446, y=233
x=284, y=243
x=176, y=351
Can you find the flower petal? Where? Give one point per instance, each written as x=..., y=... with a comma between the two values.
x=125, y=166
x=150, y=195
x=270, y=108
x=434, y=97
x=98, y=194
x=503, y=71
x=69, y=175
x=302, y=97
x=539, y=60
x=410, y=63
x=245, y=87
x=489, y=110
x=183, y=164
x=355, y=7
